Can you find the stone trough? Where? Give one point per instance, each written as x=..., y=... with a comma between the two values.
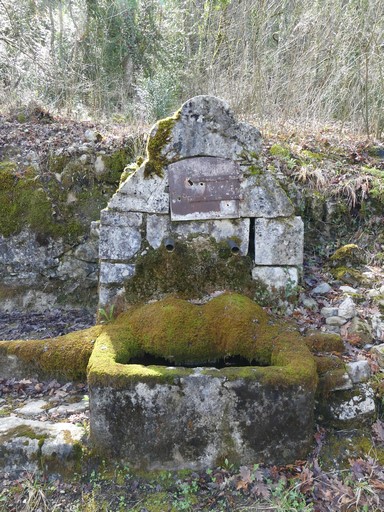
x=178, y=380
x=184, y=412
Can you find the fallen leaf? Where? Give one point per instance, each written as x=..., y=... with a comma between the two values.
x=261, y=489
x=378, y=430
x=306, y=477
x=377, y=484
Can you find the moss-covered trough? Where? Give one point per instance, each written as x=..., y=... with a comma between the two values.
x=186, y=413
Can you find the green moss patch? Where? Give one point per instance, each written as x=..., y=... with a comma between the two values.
x=22, y=431
x=187, y=334
x=195, y=268
x=183, y=334
x=343, y=446
x=328, y=363
x=349, y=275
x=349, y=254
x=324, y=342
x=115, y=165
x=49, y=206
x=330, y=381
x=23, y=202
x=156, y=160
x=64, y=357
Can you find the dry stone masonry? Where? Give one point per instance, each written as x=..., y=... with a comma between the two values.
x=200, y=186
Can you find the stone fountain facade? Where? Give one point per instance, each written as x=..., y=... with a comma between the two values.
x=202, y=180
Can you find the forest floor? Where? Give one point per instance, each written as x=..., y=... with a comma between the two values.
x=336, y=476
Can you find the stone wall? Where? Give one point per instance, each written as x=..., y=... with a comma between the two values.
x=48, y=237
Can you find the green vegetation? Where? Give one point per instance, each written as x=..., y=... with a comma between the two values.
x=348, y=275
x=347, y=255
x=65, y=357
x=60, y=202
x=23, y=203
x=186, y=334
x=105, y=487
x=195, y=268
x=107, y=314
x=323, y=342
x=277, y=150
x=115, y=164
x=343, y=446
x=132, y=60
x=156, y=159
x=183, y=333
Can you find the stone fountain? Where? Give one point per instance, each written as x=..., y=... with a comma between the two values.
x=182, y=381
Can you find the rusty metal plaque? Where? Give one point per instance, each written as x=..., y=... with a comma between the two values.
x=204, y=188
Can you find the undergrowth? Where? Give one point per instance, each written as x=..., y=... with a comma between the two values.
x=301, y=487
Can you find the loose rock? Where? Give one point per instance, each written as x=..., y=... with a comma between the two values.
x=328, y=312
x=322, y=289
x=347, y=308
x=335, y=320
x=379, y=353
x=359, y=371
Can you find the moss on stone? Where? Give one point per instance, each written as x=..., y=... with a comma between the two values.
x=180, y=332
x=324, y=342
x=64, y=357
x=347, y=254
x=328, y=363
x=21, y=431
x=160, y=136
x=330, y=381
x=23, y=203
x=40, y=202
x=348, y=275
x=187, y=334
x=57, y=163
x=377, y=384
x=76, y=176
x=197, y=267
x=115, y=163
x=342, y=446
x=184, y=333
x=7, y=166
